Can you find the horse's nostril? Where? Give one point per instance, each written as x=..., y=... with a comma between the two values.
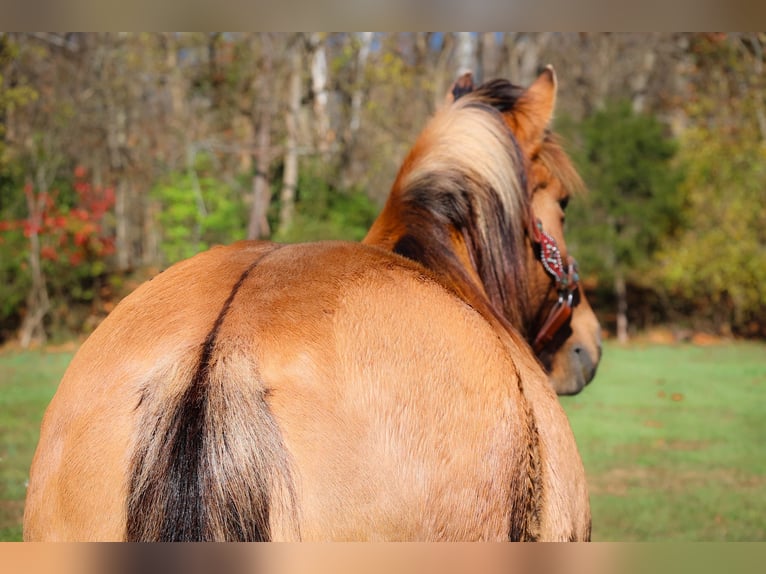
x=587, y=362
x=581, y=352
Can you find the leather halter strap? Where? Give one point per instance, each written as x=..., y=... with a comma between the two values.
x=565, y=278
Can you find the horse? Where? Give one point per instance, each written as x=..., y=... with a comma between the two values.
x=453, y=211
x=334, y=390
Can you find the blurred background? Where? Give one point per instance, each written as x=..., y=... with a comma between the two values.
x=122, y=153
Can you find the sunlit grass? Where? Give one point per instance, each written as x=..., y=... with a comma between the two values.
x=27, y=383
x=672, y=438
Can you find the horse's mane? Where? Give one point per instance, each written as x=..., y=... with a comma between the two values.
x=466, y=176
x=466, y=179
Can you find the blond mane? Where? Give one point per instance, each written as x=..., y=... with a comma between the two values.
x=465, y=181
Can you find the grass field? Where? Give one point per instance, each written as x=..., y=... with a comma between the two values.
x=673, y=439
x=27, y=383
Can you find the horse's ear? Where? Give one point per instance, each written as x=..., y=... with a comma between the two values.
x=460, y=87
x=533, y=111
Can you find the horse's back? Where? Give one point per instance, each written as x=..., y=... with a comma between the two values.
x=396, y=401
x=396, y=404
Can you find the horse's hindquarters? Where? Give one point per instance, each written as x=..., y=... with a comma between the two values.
x=336, y=387
x=391, y=396
x=142, y=355
x=399, y=416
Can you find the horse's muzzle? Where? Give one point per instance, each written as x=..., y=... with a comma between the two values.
x=580, y=369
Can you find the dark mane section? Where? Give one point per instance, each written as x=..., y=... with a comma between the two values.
x=449, y=203
x=474, y=185
x=500, y=94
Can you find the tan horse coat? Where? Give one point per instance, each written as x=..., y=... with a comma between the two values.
x=400, y=409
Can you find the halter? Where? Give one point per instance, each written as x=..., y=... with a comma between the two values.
x=565, y=278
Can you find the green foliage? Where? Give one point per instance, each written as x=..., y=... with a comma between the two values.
x=14, y=279
x=721, y=257
x=718, y=263
x=324, y=211
x=13, y=97
x=197, y=212
x=634, y=203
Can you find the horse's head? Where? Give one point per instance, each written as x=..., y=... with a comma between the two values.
x=563, y=330
x=480, y=200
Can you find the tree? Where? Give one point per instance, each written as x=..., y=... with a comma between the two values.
x=465, y=53
x=261, y=115
x=319, y=81
x=293, y=130
x=290, y=176
x=634, y=203
x=718, y=262
x=196, y=212
x=65, y=249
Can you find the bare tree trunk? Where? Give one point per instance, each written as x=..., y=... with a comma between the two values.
x=116, y=140
x=258, y=226
x=365, y=41
x=599, y=70
x=640, y=80
x=349, y=169
x=441, y=80
x=319, y=92
x=177, y=91
x=754, y=84
x=290, y=176
x=150, y=255
x=465, y=53
x=176, y=86
x=489, y=60
x=621, y=292
x=620, y=287
x=758, y=75
x=122, y=243
x=38, y=303
x=199, y=200
x=510, y=42
x=527, y=53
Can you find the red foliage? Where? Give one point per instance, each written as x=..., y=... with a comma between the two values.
x=77, y=235
x=49, y=253
x=80, y=238
x=31, y=228
x=80, y=214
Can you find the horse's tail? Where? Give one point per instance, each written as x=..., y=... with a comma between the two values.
x=209, y=462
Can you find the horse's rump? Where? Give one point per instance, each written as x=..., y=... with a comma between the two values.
x=335, y=387
x=209, y=462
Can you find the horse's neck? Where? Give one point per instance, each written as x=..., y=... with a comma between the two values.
x=441, y=250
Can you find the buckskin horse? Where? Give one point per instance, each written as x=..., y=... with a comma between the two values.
x=341, y=391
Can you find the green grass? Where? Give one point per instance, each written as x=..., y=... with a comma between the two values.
x=27, y=383
x=673, y=439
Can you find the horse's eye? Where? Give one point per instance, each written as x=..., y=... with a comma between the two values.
x=563, y=203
